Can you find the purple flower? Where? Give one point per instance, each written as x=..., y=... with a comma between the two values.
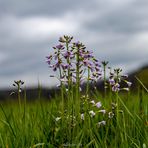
x=111, y=81
x=102, y=111
x=68, y=54
x=77, y=44
x=49, y=58
x=116, y=88
x=86, y=62
x=59, y=46
x=65, y=66
x=98, y=104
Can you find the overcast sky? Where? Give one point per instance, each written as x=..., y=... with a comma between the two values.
x=116, y=30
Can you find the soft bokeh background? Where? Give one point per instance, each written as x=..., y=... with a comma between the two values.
x=116, y=30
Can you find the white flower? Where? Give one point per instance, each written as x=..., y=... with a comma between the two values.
x=82, y=116
x=92, y=102
x=129, y=84
x=80, y=89
x=98, y=104
x=92, y=113
x=127, y=89
x=102, y=123
x=110, y=115
x=57, y=118
x=102, y=111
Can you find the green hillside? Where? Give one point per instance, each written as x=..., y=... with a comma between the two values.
x=143, y=76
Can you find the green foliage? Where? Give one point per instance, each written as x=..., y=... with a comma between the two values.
x=37, y=125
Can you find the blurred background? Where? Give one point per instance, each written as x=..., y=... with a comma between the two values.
x=117, y=31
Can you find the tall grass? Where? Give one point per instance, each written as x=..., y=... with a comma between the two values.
x=38, y=125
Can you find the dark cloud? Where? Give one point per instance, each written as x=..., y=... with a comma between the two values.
x=37, y=7
x=126, y=19
x=115, y=30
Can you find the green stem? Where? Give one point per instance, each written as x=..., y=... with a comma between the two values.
x=77, y=73
x=88, y=77
x=104, y=69
x=19, y=96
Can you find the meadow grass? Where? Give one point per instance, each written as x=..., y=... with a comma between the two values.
x=42, y=124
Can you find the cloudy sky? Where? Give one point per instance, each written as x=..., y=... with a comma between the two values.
x=116, y=30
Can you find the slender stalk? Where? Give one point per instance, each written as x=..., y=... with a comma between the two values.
x=104, y=69
x=77, y=74
x=19, y=96
x=87, y=87
x=104, y=63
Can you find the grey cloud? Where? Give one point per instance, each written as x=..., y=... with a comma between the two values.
x=115, y=31
x=124, y=19
x=37, y=7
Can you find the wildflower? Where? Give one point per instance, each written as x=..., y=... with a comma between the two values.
x=129, y=83
x=57, y=118
x=114, y=105
x=110, y=115
x=102, y=111
x=116, y=88
x=59, y=46
x=20, y=90
x=104, y=63
x=65, y=66
x=18, y=84
x=98, y=104
x=62, y=40
x=80, y=89
x=92, y=113
x=111, y=81
x=68, y=54
x=127, y=89
x=101, y=123
x=92, y=102
x=125, y=76
x=73, y=60
x=82, y=116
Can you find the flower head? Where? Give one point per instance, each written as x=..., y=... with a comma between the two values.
x=116, y=87
x=92, y=102
x=110, y=115
x=92, y=113
x=98, y=104
x=101, y=123
x=102, y=111
x=57, y=118
x=82, y=116
x=60, y=46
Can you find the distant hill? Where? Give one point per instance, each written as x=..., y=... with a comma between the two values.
x=34, y=93
x=141, y=74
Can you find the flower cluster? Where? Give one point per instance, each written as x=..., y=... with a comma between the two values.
x=18, y=85
x=115, y=80
x=73, y=61
x=95, y=110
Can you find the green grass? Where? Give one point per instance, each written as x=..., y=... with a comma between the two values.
x=35, y=125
